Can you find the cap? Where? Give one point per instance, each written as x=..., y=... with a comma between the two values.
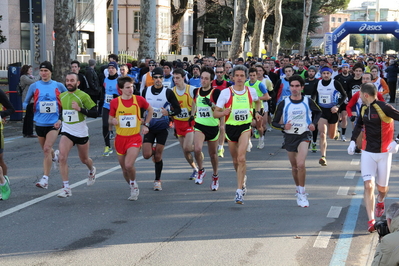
x=334, y=64
x=240, y=59
x=152, y=62
x=196, y=66
x=47, y=64
x=312, y=68
x=157, y=71
x=113, y=64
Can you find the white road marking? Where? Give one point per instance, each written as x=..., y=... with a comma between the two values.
x=322, y=239
x=334, y=212
x=355, y=162
x=55, y=193
x=343, y=191
x=350, y=174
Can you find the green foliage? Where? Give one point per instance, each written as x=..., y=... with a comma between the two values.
x=124, y=58
x=356, y=41
x=331, y=6
x=2, y=37
x=389, y=43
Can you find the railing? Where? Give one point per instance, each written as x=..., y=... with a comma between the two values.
x=10, y=56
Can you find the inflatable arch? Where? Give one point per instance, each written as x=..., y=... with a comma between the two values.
x=331, y=40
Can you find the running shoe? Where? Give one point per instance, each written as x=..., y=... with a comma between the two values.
x=314, y=147
x=157, y=185
x=302, y=200
x=43, y=183
x=92, y=177
x=221, y=153
x=193, y=176
x=111, y=135
x=249, y=147
x=134, y=192
x=66, y=192
x=55, y=159
x=5, y=189
x=215, y=183
x=244, y=186
x=239, y=197
x=200, y=177
x=337, y=135
x=379, y=209
x=256, y=133
x=269, y=129
x=358, y=151
x=370, y=226
x=107, y=151
x=343, y=138
x=261, y=144
x=323, y=161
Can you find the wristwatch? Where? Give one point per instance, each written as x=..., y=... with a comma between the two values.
x=147, y=125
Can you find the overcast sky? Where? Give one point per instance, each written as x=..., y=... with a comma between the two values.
x=358, y=3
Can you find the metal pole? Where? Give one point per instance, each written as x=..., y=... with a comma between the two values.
x=115, y=27
x=32, y=43
x=43, y=50
x=365, y=35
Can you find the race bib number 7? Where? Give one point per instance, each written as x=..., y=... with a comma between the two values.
x=70, y=115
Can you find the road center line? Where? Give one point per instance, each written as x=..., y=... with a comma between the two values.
x=55, y=193
x=355, y=162
x=343, y=191
x=322, y=239
x=350, y=174
x=334, y=212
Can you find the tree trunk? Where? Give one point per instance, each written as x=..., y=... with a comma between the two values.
x=148, y=30
x=179, y=8
x=261, y=14
x=277, y=28
x=240, y=29
x=65, y=49
x=305, y=26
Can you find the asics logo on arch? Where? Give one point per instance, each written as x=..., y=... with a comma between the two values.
x=364, y=26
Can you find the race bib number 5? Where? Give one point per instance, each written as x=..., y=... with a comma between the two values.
x=127, y=121
x=48, y=107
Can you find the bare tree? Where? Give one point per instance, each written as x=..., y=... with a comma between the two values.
x=305, y=26
x=148, y=30
x=65, y=49
x=277, y=27
x=240, y=29
x=179, y=8
x=261, y=13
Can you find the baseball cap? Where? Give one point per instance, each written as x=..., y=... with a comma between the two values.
x=47, y=64
x=113, y=64
x=157, y=71
x=312, y=68
x=152, y=62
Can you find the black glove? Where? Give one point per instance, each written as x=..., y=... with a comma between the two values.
x=353, y=118
x=191, y=118
x=207, y=101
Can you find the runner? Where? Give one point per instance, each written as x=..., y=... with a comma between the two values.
x=236, y=104
x=299, y=116
x=376, y=158
x=308, y=90
x=46, y=107
x=125, y=115
x=76, y=105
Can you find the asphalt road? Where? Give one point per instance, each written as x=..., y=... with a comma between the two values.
x=186, y=224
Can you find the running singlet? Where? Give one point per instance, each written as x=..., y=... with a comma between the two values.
x=284, y=91
x=46, y=100
x=204, y=114
x=241, y=108
x=129, y=119
x=299, y=115
x=260, y=90
x=185, y=102
x=327, y=94
x=111, y=88
x=378, y=84
x=157, y=102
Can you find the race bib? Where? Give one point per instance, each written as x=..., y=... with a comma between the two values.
x=108, y=98
x=240, y=114
x=204, y=112
x=167, y=84
x=184, y=113
x=70, y=115
x=297, y=128
x=48, y=107
x=157, y=113
x=354, y=91
x=325, y=99
x=127, y=121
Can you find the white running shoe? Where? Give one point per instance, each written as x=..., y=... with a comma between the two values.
x=269, y=129
x=200, y=177
x=43, y=183
x=244, y=186
x=302, y=200
x=92, y=177
x=134, y=192
x=157, y=186
x=66, y=192
x=343, y=138
x=239, y=199
x=249, y=147
x=215, y=183
x=55, y=159
x=261, y=144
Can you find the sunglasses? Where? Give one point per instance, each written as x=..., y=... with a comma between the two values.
x=151, y=65
x=158, y=77
x=219, y=72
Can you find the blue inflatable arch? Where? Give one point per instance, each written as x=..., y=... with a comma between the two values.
x=331, y=40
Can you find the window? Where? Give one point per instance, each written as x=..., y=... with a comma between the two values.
x=346, y=20
x=332, y=19
x=110, y=19
x=164, y=23
x=339, y=19
x=136, y=22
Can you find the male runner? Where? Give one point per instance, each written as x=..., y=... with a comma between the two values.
x=308, y=90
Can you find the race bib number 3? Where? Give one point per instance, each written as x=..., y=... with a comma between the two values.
x=157, y=113
x=241, y=114
x=127, y=121
x=70, y=116
x=48, y=107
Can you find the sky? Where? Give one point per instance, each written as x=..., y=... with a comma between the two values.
x=358, y=3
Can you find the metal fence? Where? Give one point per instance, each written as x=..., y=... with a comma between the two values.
x=10, y=56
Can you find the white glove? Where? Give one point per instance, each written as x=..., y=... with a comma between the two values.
x=352, y=147
x=393, y=147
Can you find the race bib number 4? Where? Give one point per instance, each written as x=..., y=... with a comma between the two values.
x=127, y=121
x=70, y=116
x=157, y=113
x=325, y=99
x=240, y=114
x=48, y=107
